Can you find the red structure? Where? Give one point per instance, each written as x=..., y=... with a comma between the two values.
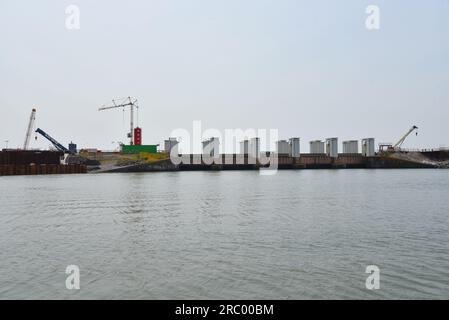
x=137, y=136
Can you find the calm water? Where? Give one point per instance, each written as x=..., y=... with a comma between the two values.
x=231, y=235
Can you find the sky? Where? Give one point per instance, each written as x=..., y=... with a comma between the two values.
x=310, y=69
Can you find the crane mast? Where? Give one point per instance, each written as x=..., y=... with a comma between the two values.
x=26, y=144
x=128, y=102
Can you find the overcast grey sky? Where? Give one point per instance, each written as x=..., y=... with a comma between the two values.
x=308, y=68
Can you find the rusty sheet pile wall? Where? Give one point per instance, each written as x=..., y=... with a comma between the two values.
x=13, y=170
x=19, y=162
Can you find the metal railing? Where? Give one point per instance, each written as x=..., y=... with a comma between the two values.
x=424, y=150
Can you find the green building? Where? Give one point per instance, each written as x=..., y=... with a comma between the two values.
x=126, y=149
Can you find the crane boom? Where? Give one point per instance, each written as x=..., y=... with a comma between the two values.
x=57, y=145
x=131, y=103
x=401, y=141
x=26, y=144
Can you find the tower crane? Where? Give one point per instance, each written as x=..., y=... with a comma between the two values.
x=26, y=144
x=401, y=141
x=127, y=102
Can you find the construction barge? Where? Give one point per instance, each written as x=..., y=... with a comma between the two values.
x=195, y=162
x=21, y=162
x=55, y=162
x=137, y=157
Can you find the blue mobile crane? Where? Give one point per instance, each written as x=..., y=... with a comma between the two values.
x=57, y=145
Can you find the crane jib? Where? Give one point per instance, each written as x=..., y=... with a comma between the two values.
x=132, y=104
x=57, y=145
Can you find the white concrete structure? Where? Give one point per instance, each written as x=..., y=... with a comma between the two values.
x=295, y=149
x=244, y=147
x=211, y=147
x=317, y=146
x=351, y=146
x=282, y=147
x=254, y=147
x=332, y=147
x=170, y=144
x=368, y=148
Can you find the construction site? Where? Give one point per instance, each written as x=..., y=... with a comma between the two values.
x=138, y=157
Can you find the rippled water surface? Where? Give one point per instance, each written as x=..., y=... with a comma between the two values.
x=226, y=235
